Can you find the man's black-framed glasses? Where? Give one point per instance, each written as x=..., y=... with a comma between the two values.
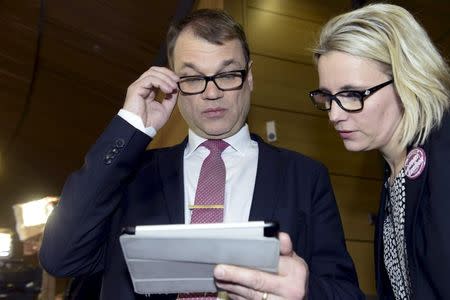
x=350, y=101
x=225, y=81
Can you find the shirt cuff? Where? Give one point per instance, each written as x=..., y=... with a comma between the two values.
x=136, y=122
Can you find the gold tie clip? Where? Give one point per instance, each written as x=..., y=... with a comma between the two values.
x=206, y=206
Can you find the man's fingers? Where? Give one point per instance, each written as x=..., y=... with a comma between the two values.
x=285, y=244
x=290, y=283
x=145, y=93
x=236, y=291
x=157, y=77
x=162, y=71
x=152, y=82
x=253, y=279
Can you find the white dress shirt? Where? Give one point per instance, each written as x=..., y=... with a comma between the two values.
x=241, y=162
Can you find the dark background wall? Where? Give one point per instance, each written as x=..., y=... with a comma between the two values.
x=56, y=98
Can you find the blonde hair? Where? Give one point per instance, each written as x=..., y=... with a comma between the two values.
x=390, y=35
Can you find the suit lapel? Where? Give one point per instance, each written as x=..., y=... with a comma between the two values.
x=414, y=195
x=170, y=164
x=379, y=237
x=414, y=192
x=267, y=177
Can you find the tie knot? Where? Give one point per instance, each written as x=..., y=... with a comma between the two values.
x=216, y=146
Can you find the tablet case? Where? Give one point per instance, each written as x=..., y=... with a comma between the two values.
x=183, y=264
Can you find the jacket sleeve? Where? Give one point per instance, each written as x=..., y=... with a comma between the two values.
x=332, y=273
x=77, y=231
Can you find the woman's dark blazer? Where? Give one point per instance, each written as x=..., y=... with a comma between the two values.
x=427, y=228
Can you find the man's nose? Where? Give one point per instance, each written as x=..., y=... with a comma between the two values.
x=212, y=92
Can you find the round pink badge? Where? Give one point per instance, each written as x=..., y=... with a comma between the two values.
x=415, y=163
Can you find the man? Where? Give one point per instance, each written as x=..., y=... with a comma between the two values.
x=121, y=184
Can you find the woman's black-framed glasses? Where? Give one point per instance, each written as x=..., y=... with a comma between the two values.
x=226, y=81
x=350, y=101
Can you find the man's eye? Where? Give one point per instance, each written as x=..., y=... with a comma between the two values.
x=191, y=79
x=349, y=94
x=228, y=76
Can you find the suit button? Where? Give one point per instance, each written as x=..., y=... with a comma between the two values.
x=120, y=143
x=108, y=161
x=115, y=150
x=109, y=155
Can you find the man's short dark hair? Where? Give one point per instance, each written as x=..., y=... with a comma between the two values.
x=215, y=26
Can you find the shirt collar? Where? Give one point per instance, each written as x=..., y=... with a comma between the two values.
x=239, y=141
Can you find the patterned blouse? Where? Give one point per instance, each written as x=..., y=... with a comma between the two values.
x=395, y=256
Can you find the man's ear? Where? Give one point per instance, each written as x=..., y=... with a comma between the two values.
x=250, y=75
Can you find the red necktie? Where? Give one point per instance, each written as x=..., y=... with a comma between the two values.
x=210, y=194
x=209, y=198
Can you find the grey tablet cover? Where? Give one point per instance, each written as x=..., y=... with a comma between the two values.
x=177, y=264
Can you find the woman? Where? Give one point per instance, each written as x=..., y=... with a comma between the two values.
x=386, y=87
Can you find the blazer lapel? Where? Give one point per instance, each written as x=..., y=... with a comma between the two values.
x=379, y=238
x=267, y=177
x=170, y=164
x=414, y=192
x=414, y=195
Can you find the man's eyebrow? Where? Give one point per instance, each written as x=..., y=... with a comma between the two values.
x=189, y=65
x=228, y=62
x=225, y=63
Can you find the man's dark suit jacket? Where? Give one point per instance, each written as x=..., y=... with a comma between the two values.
x=122, y=185
x=427, y=224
